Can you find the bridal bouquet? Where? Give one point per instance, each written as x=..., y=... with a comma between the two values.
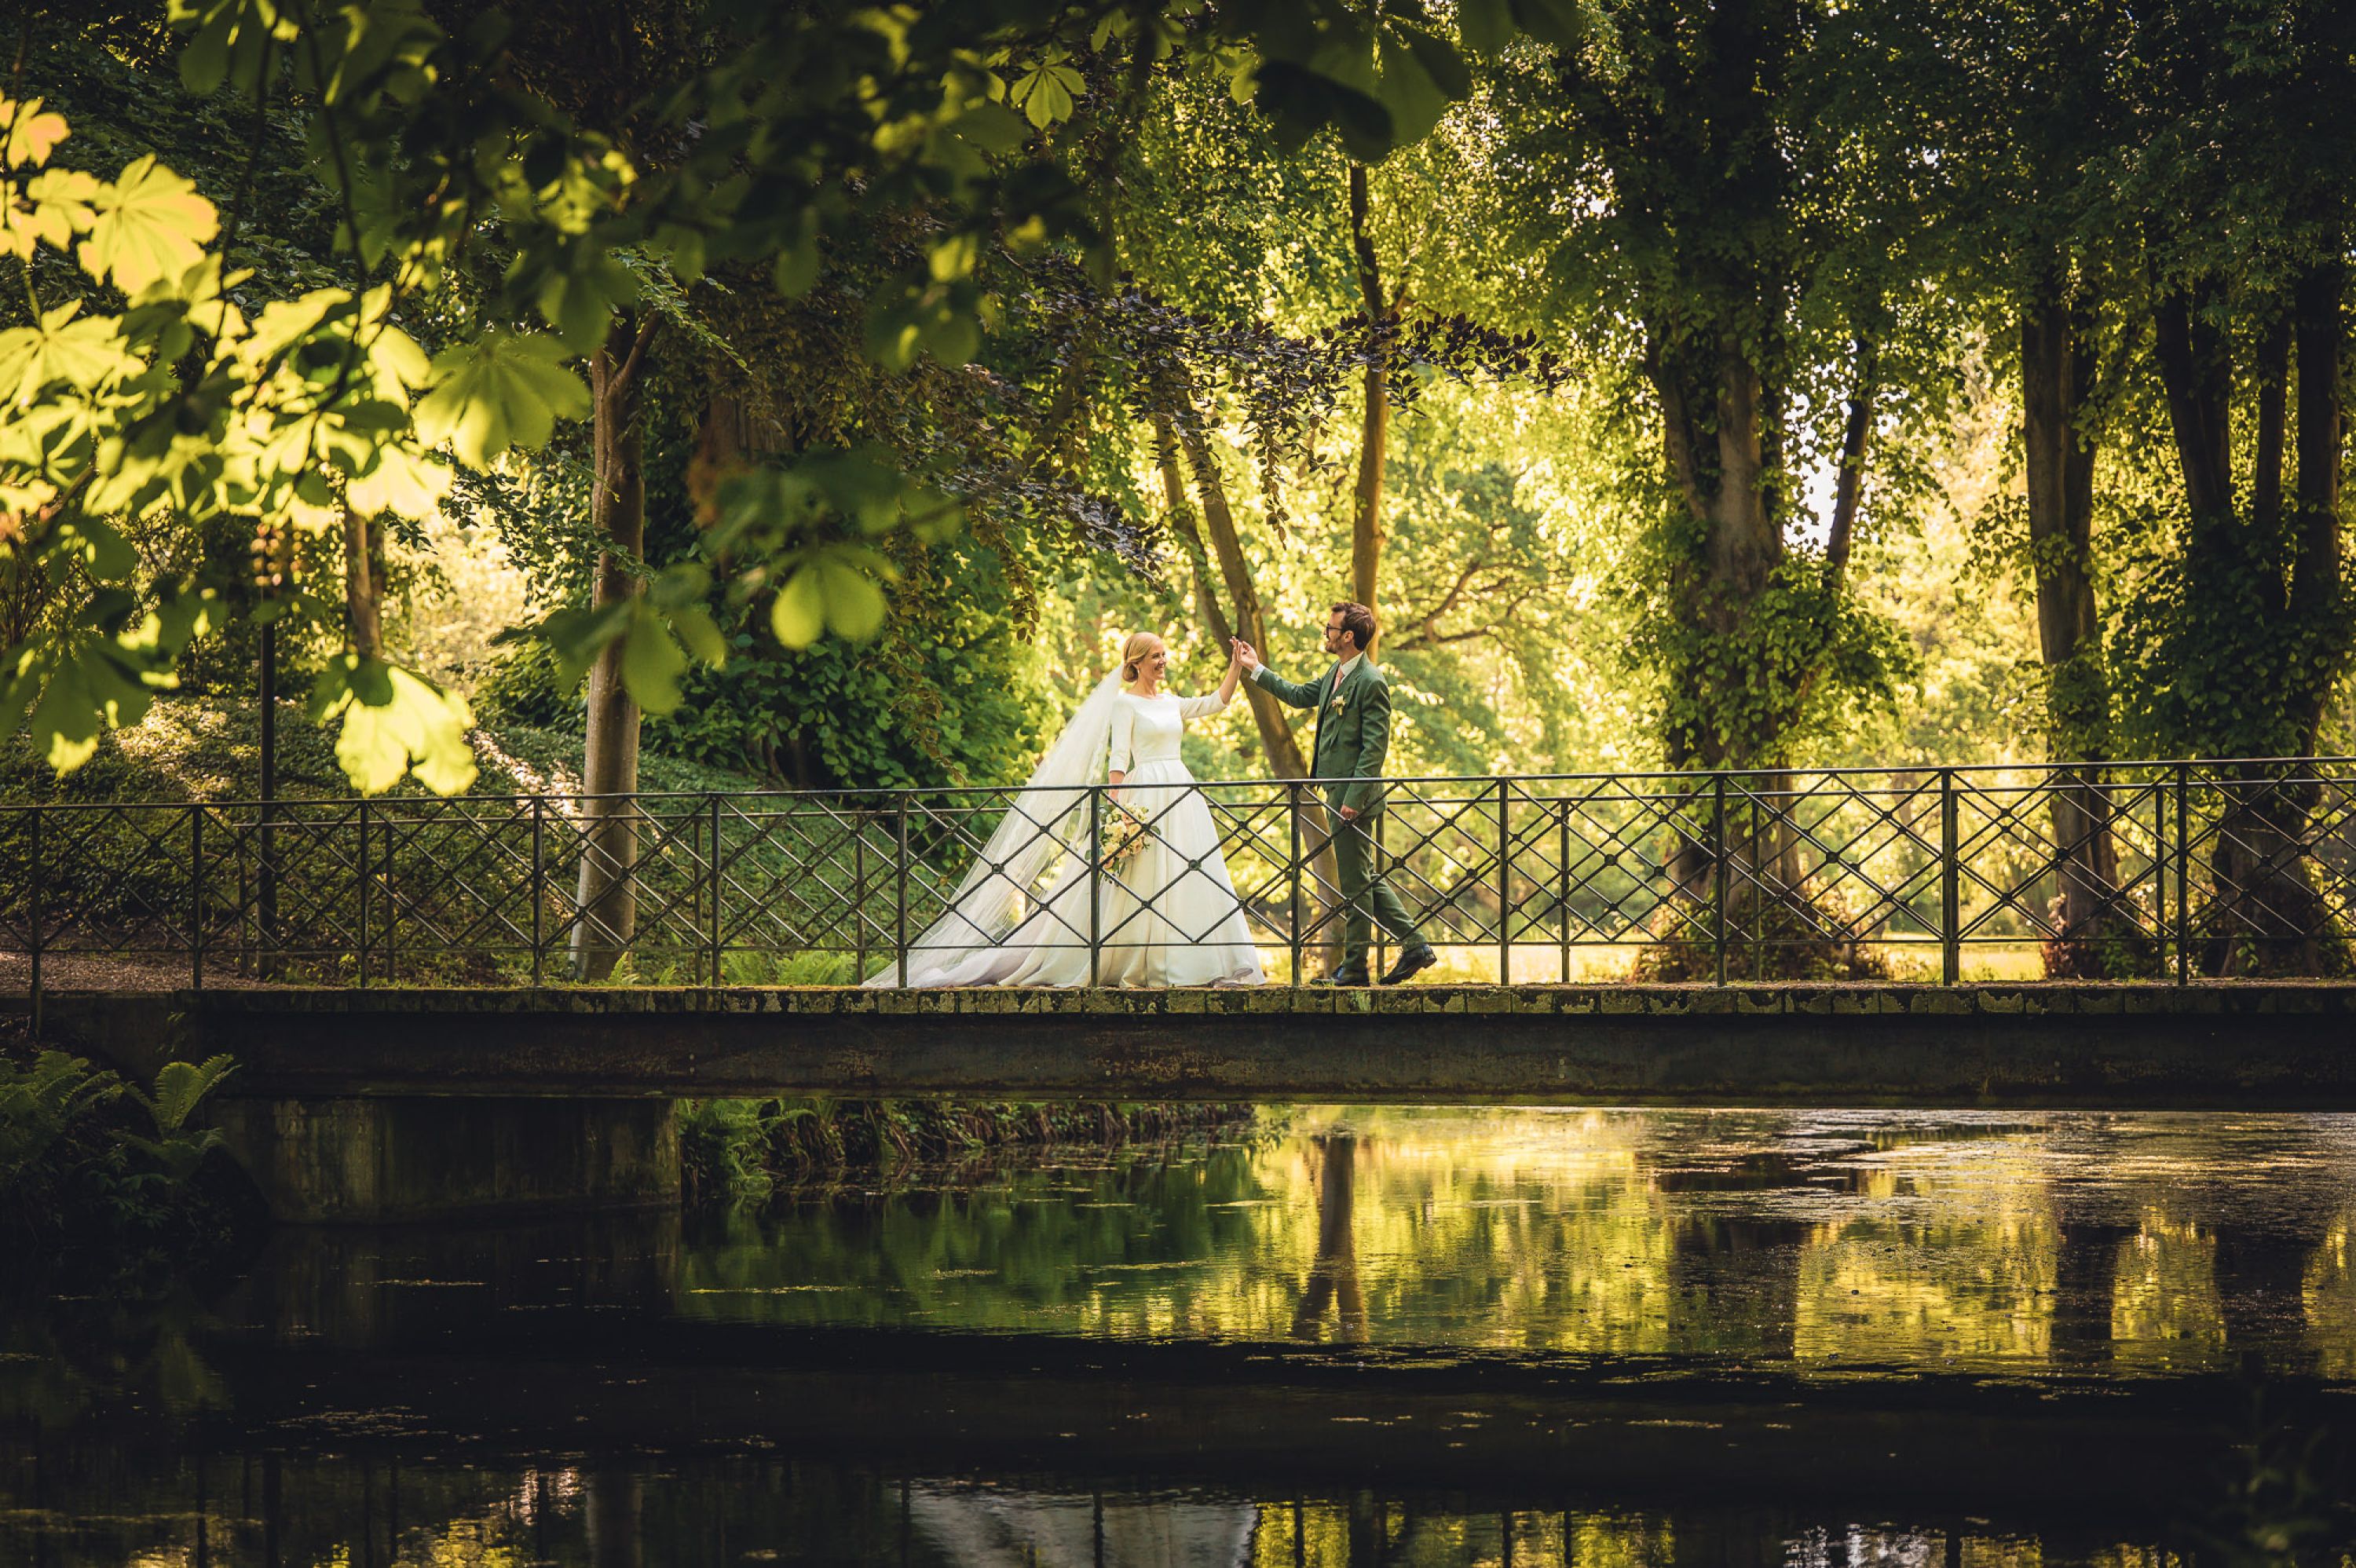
x=1124, y=836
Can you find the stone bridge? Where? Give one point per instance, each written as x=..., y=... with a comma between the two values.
x=390, y=1102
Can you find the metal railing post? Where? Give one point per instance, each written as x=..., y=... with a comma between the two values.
x=2183, y=876
x=265, y=892
x=858, y=892
x=900, y=894
x=1950, y=884
x=1505, y=887
x=1717, y=875
x=361, y=867
x=40, y=919
x=244, y=910
x=1096, y=866
x=712, y=813
x=196, y=897
x=1292, y=811
x=1562, y=885
x=539, y=886
x=392, y=908
x=2160, y=867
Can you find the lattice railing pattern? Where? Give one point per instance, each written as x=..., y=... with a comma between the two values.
x=2156, y=869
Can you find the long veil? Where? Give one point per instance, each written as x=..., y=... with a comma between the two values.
x=1042, y=835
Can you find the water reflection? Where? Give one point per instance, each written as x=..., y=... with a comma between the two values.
x=238, y=1509
x=1249, y=1353
x=1334, y=1272
x=2134, y=1244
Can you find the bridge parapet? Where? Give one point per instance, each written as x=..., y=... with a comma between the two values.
x=2288, y=1045
x=2159, y=870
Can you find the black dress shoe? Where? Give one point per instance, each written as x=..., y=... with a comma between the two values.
x=1414, y=961
x=1343, y=977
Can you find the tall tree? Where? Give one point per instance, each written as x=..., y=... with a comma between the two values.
x=2245, y=193
x=2034, y=118
x=1375, y=433
x=606, y=896
x=1728, y=200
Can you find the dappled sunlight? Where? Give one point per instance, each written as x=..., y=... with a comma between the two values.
x=2164, y=1311
x=1825, y=1240
x=1939, y=1266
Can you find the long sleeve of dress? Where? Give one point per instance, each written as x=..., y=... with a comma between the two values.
x=1124, y=727
x=1200, y=707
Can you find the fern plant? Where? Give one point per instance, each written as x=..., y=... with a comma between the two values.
x=40, y=1105
x=180, y=1088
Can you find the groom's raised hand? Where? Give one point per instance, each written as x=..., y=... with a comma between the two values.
x=1243, y=654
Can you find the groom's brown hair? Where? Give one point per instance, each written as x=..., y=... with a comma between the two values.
x=1359, y=621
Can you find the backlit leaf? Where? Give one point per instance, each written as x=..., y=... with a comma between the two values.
x=33, y=134
x=651, y=662
x=503, y=390
x=150, y=224
x=798, y=615
x=396, y=723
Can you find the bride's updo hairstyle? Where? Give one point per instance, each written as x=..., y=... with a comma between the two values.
x=1133, y=652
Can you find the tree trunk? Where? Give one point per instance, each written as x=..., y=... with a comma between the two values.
x=1284, y=751
x=1848, y=486
x=1719, y=465
x=1373, y=436
x=1276, y=736
x=2266, y=914
x=609, y=767
x=2319, y=307
x=363, y=588
x=2197, y=378
x=2056, y=367
x=2275, y=922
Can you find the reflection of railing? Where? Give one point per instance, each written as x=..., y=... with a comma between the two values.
x=2142, y=869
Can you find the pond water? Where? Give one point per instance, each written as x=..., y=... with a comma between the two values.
x=1343, y=1334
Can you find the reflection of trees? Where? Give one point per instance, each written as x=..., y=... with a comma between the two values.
x=1333, y=1274
x=2086, y=1289
x=2328, y=1296
x=2261, y=1285
x=2164, y=1313
x=617, y=1529
x=1973, y=1279
x=1748, y=1234
x=1735, y=1285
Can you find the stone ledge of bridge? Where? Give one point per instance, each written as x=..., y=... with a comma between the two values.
x=2273, y=1046
x=2056, y=998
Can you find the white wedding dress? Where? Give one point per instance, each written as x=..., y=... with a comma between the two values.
x=1166, y=915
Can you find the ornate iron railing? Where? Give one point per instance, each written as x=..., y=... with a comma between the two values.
x=2150, y=869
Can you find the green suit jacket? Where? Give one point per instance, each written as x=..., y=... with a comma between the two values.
x=1353, y=731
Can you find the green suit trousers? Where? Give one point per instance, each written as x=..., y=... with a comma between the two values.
x=1367, y=899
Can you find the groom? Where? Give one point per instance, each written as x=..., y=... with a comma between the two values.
x=1353, y=733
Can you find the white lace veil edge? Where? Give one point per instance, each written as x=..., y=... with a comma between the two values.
x=1044, y=831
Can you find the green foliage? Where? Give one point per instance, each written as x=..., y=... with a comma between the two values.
x=39, y=1107
x=808, y=128
x=2208, y=665
x=743, y=1150
x=86, y=1159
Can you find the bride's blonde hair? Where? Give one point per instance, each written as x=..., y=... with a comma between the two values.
x=1139, y=644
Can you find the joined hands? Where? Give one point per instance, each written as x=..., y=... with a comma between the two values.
x=1242, y=655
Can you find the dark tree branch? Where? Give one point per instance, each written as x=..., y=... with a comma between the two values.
x=1850, y=485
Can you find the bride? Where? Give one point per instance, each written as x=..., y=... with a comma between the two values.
x=1165, y=912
